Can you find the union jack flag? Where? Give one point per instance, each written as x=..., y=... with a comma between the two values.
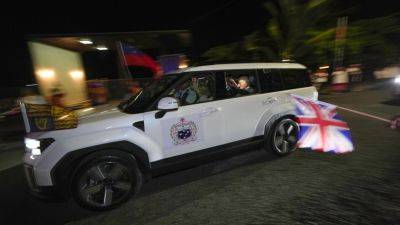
x=321, y=128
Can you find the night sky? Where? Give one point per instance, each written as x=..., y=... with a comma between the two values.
x=211, y=22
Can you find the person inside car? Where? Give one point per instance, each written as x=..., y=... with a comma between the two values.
x=242, y=86
x=186, y=94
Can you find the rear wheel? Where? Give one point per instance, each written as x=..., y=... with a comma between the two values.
x=282, y=138
x=106, y=181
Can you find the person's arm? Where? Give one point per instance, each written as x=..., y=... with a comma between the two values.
x=232, y=83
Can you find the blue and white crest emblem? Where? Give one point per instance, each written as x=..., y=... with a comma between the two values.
x=183, y=132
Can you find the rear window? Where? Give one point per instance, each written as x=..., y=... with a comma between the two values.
x=270, y=80
x=294, y=78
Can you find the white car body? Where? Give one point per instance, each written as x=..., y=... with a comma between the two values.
x=223, y=121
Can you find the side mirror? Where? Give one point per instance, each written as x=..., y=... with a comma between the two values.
x=165, y=105
x=168, y=103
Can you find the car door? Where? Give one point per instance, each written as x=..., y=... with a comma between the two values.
x=241, y=106
x=197, y=124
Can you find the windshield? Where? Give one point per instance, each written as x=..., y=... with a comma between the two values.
x=139, y=102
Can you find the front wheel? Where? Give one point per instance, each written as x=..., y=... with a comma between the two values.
x=105, y=182
x=282, y=139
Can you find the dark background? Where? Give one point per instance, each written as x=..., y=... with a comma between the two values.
x=211, y=22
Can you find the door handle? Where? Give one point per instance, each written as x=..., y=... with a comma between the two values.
x=209, y=111
x=269, y=100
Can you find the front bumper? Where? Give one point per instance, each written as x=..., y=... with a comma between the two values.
x=42, y=192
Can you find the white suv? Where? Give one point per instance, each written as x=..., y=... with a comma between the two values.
x=179, y=121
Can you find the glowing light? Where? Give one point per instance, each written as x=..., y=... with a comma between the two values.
x=397, y=80
x=324, y=67
x=86, y=41
x=36, y=151
x=102, y=48
x=182, y=65
x=63, y=117
x=285, y=60
x=33, y=146
x=76, y=75
x=32, y=143
x=88, y=109
x=45, y=73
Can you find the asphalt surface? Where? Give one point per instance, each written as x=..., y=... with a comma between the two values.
x=362, y=187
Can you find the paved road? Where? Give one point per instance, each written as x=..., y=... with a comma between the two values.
x=254, y=188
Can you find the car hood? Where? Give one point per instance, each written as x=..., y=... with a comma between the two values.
x=97, y=113
x=93, y=119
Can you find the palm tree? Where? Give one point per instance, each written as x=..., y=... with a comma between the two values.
x=305, y=32
x=230, y=52
x=291, y=25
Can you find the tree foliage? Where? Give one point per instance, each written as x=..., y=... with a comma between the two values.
x=305, y=32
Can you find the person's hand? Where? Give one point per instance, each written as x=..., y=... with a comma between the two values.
x=231, y=82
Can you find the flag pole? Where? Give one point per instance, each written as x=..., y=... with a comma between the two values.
x=122, y=61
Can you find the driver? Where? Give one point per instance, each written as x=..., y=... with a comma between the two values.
x=187, y=94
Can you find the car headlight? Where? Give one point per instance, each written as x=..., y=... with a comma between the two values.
x=397, y=80
x=37, y=146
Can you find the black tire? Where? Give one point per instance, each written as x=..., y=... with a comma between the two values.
x=281, y=138
x=105, y=180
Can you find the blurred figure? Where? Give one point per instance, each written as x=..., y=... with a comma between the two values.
x=187, y=94
x=340, y=80
x=98, y=92
x=205, y=86
x=355, y=73
x=395, y=123
x=387, y=72
x=57, y=97
x=320, y=77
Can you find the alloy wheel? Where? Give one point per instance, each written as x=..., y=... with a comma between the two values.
x=285, y=136
x=105, y=184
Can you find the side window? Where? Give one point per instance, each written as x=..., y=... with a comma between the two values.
x=307, y=78
x=270, y=80
x=198, y=88
x=294, y=78
x=240, y=83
